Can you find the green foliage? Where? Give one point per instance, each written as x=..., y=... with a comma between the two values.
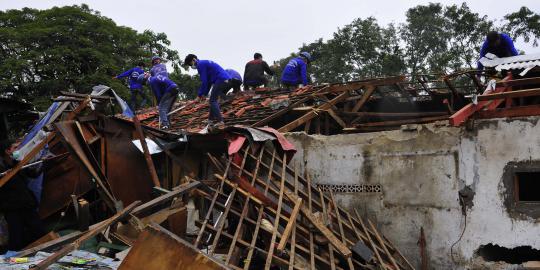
x=524, y=23
x=70, y=48
x=433, y=39
x=187, y=85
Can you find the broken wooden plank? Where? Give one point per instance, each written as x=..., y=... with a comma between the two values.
x=276, y=221
x=373, y=246
x=383, y=245
x=288, y=229
x=211, y=207
x=220, y=222
x=511, y=94
x=77, y=243
x=365, y=97
x=403, y=122
x=166, y=197
x=312, y=114
x=338, y=119
x=261, y=211
x=394, y=114
x=341, y=232
x=146, y=152
x=340, y=246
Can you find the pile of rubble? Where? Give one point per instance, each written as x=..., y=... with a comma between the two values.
x=178, y=199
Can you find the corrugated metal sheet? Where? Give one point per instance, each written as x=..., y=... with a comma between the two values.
x=518, y=65
x=514, y=62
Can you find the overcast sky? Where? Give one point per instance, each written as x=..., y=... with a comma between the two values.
x=229, y=32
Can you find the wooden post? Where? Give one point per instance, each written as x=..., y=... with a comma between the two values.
x=147, y=156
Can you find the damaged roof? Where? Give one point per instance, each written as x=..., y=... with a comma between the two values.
x=357, y=106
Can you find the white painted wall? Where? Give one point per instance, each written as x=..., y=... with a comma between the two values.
x=421, y=173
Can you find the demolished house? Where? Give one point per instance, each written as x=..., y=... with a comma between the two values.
x=427, y=172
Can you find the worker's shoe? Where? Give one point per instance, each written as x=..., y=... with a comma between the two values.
x=218, y=125
x=165, y=127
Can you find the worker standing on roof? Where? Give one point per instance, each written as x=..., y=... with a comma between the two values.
x=134, y=86
x=165, y=91
x=18, y=203
x=499, y=44
x=236, y=79
x=212, y=76
x=254, y=72
x=295, y=72
x=158, y=68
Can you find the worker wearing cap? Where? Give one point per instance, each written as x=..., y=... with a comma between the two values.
x=236, y=79
x=158, y=68
x=254, y=72
x=212, y=76
x=165, y=91
x=499, y=44
x=18, y=203
x=295, y=72
x=134, y=86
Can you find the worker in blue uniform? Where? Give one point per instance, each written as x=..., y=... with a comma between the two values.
x=134, y=86
x=295, y=73
x=165, y=91
x=213, y=77
x=236, y=79
x=158, y=68
x=499, y=44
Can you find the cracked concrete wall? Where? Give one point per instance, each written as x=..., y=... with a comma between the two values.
x=421, y=173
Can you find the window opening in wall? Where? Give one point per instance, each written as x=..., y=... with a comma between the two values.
x=527, y=186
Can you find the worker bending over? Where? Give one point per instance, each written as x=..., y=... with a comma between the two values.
x=499, y=44
x=165, y=91
x=295, y=72
x=212, y=76
x=236, y=79
x=134, y=86
x=254, y=72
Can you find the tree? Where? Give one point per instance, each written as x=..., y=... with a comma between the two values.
x=187, y=85
x=524, y=23
x=358, y=50
x=69, y=48
x=467, y=31
x=425, y=39
x=433, y=39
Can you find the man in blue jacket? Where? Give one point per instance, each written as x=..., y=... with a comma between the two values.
x=236, y=79
x=499, y=44
x=212, y=76
x=295, y=72
x=166, y=92
x=134, y=86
